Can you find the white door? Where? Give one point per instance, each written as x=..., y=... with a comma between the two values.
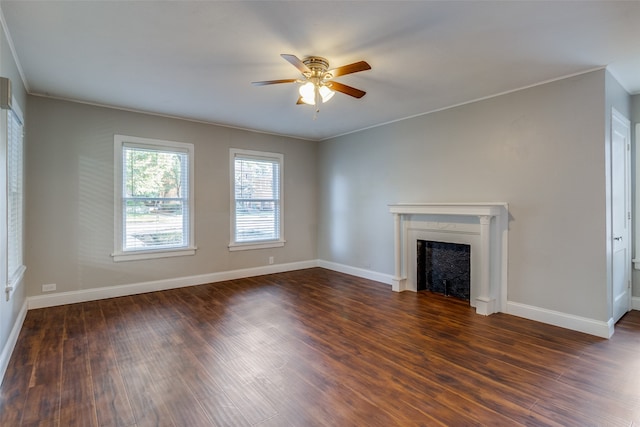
x=621, y=214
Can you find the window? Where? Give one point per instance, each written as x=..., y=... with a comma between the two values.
x=154, y=198
x=15, y=196
x=256, y=200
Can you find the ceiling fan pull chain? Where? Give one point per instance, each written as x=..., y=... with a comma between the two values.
x=316, y=99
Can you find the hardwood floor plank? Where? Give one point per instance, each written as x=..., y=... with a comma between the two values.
x=111, y=400
x=77, y=404
x=19, y=371
x=183, y=407
x=148, y=407
x=223, y=412
x=42, y=404
x=312, y=348
x=579, y=415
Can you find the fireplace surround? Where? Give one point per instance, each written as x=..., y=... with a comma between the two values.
x=483, y=226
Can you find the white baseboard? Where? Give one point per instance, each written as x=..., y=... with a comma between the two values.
x=5, y=356
x=355, y=271
x=556, y=318
x=72, y=297
x=581, y=324
x=563, y=320
x=84, y=295
x=635, y=303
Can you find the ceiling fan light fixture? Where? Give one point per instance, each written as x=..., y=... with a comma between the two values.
x=318, y=85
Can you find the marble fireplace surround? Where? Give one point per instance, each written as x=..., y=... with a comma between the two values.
x=484, y=226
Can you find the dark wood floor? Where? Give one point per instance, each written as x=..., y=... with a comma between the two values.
x=312, y=348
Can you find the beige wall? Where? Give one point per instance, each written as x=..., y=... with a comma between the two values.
x=70, y=197
x=541, y=150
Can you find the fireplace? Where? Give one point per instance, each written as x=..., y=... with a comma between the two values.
x=481, y=226
x=444, y=268
x=454, y=231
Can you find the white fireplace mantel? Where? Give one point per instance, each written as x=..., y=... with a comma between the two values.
x=492, y=220
x=467, y=209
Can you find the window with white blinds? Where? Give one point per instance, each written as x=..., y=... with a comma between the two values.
x=256, y=220
x=15, y=197
x=155, y=203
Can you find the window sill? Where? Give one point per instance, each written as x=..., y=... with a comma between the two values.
x=256, y=245
x=142, y=255
x=15, y=281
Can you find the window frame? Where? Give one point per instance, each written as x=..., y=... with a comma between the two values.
x=255, y=244
x=122, y=254
x=13, y=279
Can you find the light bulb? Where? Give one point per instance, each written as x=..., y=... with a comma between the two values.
x=308, y=93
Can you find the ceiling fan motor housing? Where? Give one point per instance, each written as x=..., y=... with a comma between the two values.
x=318, y=66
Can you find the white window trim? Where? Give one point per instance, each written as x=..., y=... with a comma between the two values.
x=134, y=255
x=234, y=246
x=13, y=280
x=245, y=246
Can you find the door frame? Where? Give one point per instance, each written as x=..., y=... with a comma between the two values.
x=635, y=301
x=617, y=116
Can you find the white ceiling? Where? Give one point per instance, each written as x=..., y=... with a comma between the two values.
x=197, y=60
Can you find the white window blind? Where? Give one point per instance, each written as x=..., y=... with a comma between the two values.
x=15, y=196
x=257, y=202
x=155, y=204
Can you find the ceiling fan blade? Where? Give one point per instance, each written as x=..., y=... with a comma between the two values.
x=293, y=60
x=274, y=82
x=348, y=90
x=351, y=68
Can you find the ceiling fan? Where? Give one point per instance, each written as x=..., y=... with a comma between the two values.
x=317, y=84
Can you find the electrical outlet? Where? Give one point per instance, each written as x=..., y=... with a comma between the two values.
x=270, y=260
x=48, y=288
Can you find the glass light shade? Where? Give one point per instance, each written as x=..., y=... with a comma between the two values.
x=308, y=93
x=326, y=93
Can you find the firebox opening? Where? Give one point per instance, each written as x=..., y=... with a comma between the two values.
x=444, y=268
